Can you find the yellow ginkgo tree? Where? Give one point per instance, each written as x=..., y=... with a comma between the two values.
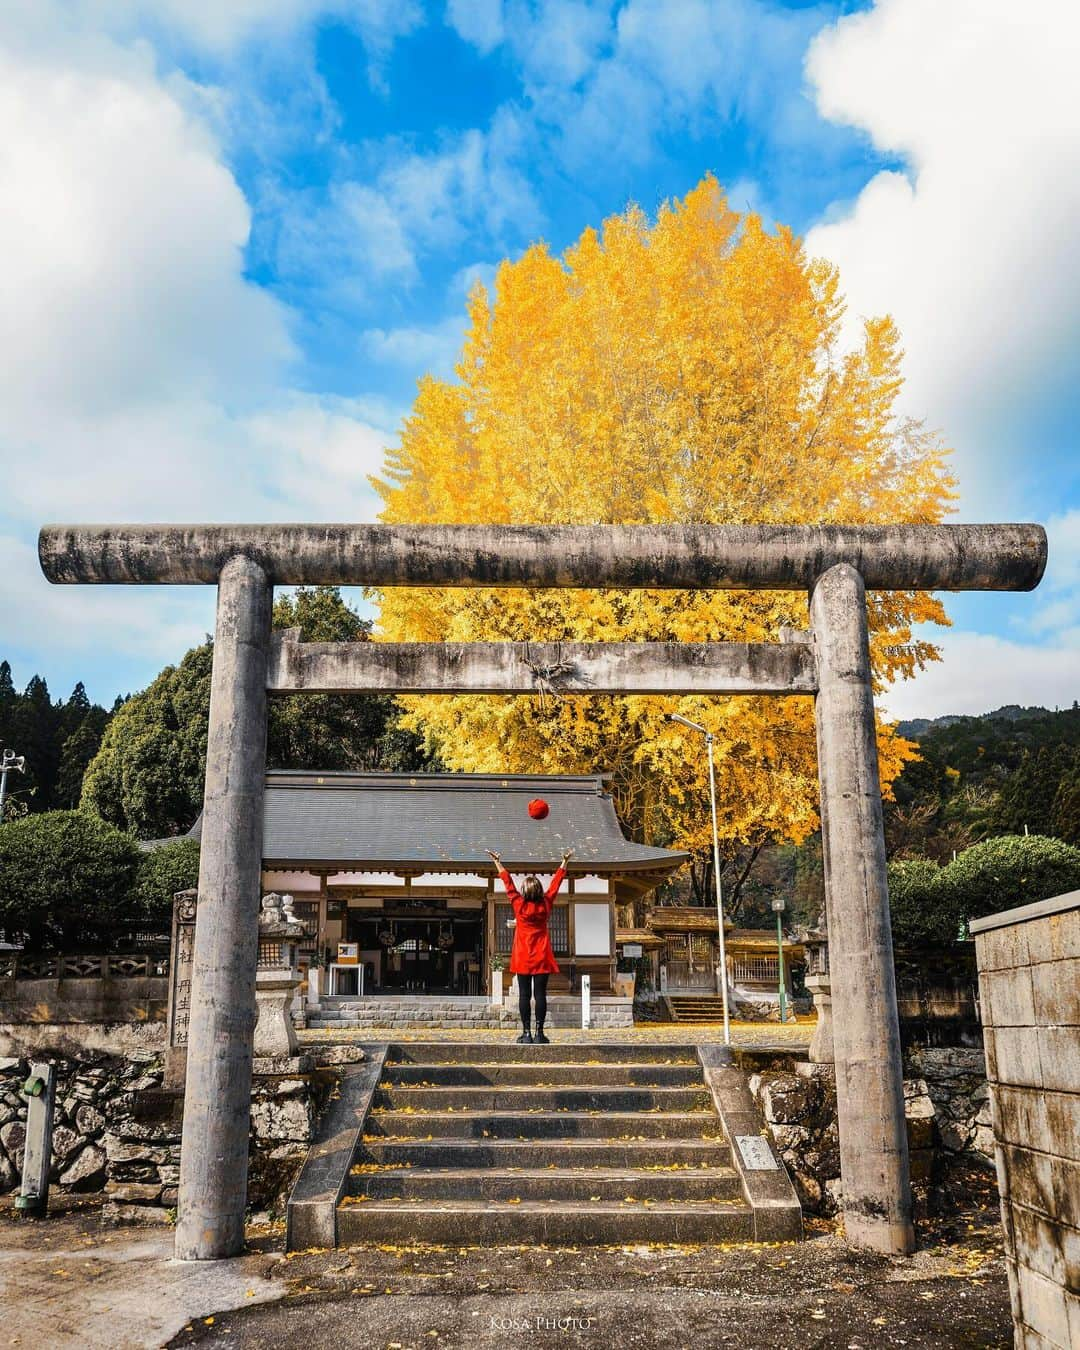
x=683, y=371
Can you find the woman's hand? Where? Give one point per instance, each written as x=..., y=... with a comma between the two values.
x=568, y=853
x=495, y=858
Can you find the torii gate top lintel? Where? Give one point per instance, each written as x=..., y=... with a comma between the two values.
x=1007, y=557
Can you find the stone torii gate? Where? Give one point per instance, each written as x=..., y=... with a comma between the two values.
x=834, y=564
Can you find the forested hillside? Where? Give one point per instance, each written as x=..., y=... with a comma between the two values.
x=57, y=739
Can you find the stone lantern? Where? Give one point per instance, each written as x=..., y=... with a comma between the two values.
x=815, y=942
x=277, y=978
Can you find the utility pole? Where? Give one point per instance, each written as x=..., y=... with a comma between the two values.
x=10, y=761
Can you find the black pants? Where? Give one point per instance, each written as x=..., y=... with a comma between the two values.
x=530, y=986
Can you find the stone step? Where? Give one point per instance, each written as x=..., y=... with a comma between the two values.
x=486, y=1221
x=602, y=1124
x=458, y=1152
x=495, y=1074
x=519, y=1097
x=565, y=1052
x=546, y=1183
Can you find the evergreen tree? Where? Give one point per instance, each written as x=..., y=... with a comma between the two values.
x=147, y=776
x=1028, y=794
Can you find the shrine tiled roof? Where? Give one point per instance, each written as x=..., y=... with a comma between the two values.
x=446, y=822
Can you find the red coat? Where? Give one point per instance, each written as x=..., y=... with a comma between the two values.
x=531, y=953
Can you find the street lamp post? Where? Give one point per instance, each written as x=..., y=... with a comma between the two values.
x=9, y=761
x=778, y=907
x=694, y=726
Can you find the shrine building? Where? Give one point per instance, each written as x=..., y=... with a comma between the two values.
x=395, y=866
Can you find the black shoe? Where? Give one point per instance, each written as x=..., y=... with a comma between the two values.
x=525, y=1038
x=540, y=1038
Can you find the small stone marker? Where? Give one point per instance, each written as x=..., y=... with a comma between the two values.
x=757, y=1156
x=39, y=1091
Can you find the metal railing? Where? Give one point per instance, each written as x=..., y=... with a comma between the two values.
x=755, y=969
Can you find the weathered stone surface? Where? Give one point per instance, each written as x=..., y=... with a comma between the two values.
x=64, y=1141
x=89, y=1120
x=905, y=557
x=133, y=1193
x=785, y=1099
x=13, y=1136
x=86, y=1171
x=121, y=1150
x=290, y=1119
x=328, y=1055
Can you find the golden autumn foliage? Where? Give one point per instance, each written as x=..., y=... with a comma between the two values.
x=686, y=371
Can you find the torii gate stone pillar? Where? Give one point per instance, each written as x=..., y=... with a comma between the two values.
x=866, y=1029
x=836, y=564
x=217, y=1092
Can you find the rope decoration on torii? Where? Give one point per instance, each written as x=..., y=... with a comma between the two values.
x=551, y=680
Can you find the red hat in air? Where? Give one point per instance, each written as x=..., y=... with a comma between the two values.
x=538, y=808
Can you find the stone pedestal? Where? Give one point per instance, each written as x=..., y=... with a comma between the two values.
x=276, y=979
x=274, y=1032
x=821, y=1042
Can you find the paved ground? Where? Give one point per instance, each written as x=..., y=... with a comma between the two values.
x=69, y=1282
x=757, y=1035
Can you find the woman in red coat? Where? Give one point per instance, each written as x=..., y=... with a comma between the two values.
x=531, y=957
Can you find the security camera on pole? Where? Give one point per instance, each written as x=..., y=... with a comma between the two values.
x=694, y=726
x=10, y=761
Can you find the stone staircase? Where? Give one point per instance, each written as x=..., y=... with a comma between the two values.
x=696, y=1009
x=495, y=1142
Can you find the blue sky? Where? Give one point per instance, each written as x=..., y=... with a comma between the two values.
x=236, y=234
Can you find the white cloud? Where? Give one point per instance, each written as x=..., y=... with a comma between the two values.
x=343, y=246
x=117, y=213
x=980, y=672
x=431, y=350
x=607, y=81
x=972, y=248
x=219, y=27
x=143, y=376
x=480, y=22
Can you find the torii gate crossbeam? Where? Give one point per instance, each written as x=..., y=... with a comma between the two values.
x=834, y=564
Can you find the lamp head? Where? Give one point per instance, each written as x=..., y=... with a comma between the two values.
x=685, y=721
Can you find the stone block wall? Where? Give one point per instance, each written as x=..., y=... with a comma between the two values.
x=945, y=1102
x=1029, y=980
x=117, y=1131
x=401, y=1012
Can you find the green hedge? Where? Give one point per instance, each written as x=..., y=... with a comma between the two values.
x=66, y=879
x=932, y=904
x=163, y=871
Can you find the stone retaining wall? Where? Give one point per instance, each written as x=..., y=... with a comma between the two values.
x=117, y=1131
x=946, y=1102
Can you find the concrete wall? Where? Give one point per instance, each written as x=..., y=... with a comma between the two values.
x=1029, y=978
x=93, y=1000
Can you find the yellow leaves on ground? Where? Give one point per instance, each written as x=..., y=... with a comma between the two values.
x=684, y=371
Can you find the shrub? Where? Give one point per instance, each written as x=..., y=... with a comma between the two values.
x=1011, y=870
x=66, y=879
x=163, y=871
x=916, y=894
